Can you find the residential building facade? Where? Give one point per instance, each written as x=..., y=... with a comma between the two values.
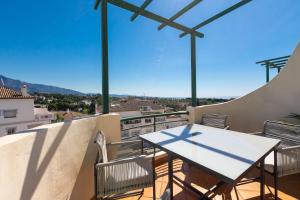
x=17, y=112
x=140, y=108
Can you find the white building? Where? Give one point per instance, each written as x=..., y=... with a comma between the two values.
x=139, y=108
x=17, y=112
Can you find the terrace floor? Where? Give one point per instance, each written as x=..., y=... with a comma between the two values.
x=289, y=186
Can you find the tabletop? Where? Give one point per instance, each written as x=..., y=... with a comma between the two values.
x=225, y=154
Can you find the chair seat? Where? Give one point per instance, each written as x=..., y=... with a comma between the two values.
x=121, y=175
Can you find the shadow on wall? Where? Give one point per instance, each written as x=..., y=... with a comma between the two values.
x=85, y=172
x=36, y=169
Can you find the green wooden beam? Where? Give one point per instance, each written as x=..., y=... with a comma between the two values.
x=181, y=12
x=273, y=59
x=219, y=15
x=104, y=45
x=144, y=5
x=278, y=69
x=96, y=5
x=193, y=71
x=155, y=17
x=267, y=73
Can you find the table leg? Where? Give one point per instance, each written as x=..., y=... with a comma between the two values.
x=262, y=178
x=275, y=175
x=170, y=173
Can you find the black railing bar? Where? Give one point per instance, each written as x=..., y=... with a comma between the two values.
x=157, y=123
x=155, y=115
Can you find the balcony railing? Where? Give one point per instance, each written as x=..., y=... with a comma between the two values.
x=132, y=127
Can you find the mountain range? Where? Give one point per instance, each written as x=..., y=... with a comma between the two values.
x=39, y=88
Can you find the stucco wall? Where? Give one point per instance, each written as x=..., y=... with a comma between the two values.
x=54, y=161
x=25, y=114
x=24, y=109
x=273, y=101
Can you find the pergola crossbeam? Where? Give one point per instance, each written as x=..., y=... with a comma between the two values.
x=272, y=63
x=274, y=59
x=219, y=15
x=141, y=11
x=181, y=12
x=153, y=16
x=97, y=4
x=144, y=5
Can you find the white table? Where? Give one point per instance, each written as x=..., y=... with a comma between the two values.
x=227, y=155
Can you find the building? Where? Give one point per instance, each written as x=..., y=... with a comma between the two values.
x=17, y=112
x=128, y=108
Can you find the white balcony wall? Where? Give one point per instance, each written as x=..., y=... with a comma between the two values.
x=54, y=161
x=274, y=101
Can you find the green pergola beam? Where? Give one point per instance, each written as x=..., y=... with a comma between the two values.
x=273, y=59
x=181, y=12
x=219, y=15
x=104, y=45
x=276, y=63
x=278, y=66
x=193, y=71
x=153, y=16
x=97, y=4
x=144, y=5
x=267, y=73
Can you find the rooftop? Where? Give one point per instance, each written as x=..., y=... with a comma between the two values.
x=134, y=105
x=7, y=93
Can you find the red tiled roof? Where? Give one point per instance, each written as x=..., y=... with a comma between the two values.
x=134, y=105
x=7, y=93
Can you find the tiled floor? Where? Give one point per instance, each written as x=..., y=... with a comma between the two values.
x=289, y=186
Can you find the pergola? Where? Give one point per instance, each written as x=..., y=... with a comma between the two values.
x=272, y=63
x=137, y=11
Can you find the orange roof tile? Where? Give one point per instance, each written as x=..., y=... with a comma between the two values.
x=7, y=93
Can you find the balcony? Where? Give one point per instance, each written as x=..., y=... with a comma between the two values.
x=56, y=161
x=61, y=157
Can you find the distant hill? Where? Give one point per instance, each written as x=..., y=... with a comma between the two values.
x=40, y=88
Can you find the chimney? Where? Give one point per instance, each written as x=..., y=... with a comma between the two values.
x=24, y=90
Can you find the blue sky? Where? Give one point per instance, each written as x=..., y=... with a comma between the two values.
x=58, y=43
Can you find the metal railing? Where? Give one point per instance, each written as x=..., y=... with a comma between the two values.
x=132, y=127
x=156, y=122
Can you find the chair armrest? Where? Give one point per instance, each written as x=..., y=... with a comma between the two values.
x=257, y=133
x=289, y=148
x=123, y=161
x=124, y=142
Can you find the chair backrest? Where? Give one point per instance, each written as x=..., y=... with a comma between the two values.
x=283, y=131
x=101, y=145
x=214, y=120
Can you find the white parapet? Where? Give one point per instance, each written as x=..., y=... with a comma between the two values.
x=54, y=161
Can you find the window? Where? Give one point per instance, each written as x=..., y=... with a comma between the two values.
x=147, y=120
x=10, y=113
x=11, y=130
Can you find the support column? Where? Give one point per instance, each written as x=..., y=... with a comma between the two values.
x=104, y=43
x=267, y=73
x=193, y=70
